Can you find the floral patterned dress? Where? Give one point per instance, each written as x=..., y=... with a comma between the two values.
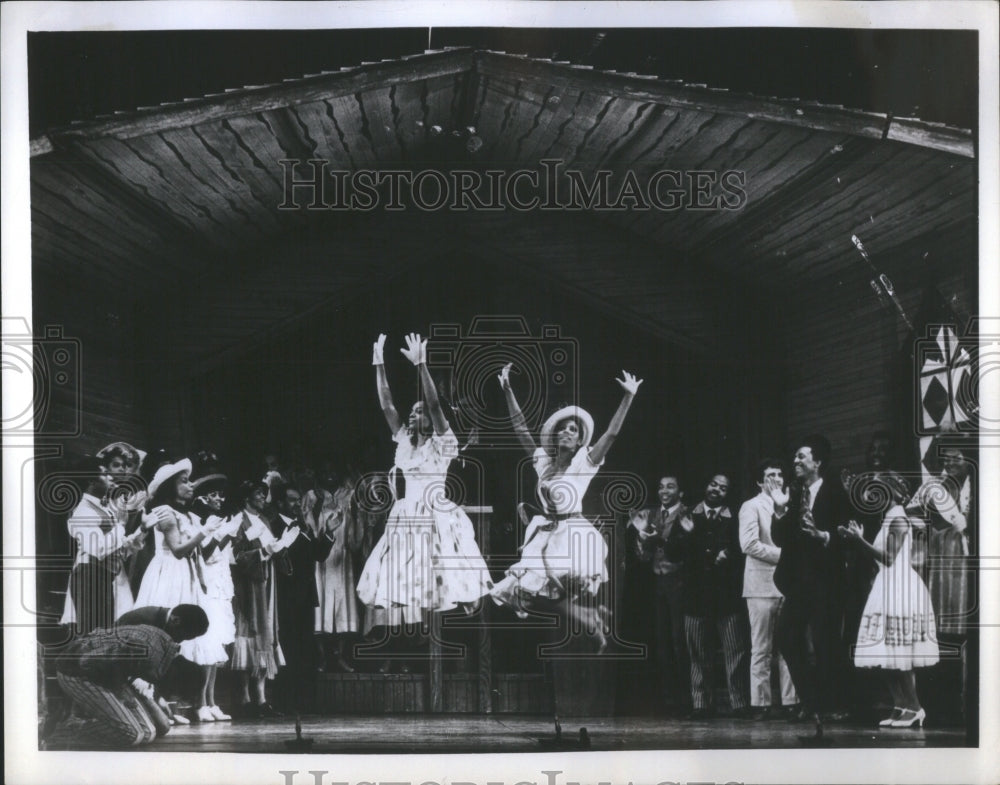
x=427, y=558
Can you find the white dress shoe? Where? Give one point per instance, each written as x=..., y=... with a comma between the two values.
x=218, y=713
x=205, y=714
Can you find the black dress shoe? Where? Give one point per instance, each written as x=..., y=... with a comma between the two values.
x=701, y=714
x=268, y=711
x=749, y=713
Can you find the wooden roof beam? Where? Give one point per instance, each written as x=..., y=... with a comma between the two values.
x=250, y=100
x=804, y=114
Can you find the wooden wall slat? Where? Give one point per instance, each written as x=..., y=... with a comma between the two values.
x=845, y=345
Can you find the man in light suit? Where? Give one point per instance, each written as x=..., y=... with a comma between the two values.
x=762, y=597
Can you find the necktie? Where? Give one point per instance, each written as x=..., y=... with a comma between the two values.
x=805, y=511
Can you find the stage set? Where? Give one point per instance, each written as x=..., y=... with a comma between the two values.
x=767, y=265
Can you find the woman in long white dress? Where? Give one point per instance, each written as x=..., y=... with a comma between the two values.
x=216, y=553
x=897, y=632
x=564, y=557
x=427, y=559
x=174, y=576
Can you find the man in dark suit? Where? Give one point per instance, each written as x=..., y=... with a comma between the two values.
x=297, y=597
x=664, y=581
x=708, y=544
x=811, y=575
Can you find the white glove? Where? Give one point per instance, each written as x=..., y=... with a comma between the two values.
x=378, y=350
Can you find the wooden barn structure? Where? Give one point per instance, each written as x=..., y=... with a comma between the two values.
x=211, y=313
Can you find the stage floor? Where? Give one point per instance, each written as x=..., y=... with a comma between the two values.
x=471, y=734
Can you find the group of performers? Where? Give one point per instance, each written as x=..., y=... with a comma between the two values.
x=239, y=567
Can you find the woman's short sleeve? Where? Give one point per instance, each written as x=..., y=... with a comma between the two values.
x=541, y=460
x=445, y=444
x=169, y=521
x=582, y=464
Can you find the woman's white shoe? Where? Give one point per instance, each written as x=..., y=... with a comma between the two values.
x=205, y=714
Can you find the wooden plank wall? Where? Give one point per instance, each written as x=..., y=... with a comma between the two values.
x=96, y=405
x=843, y=345
x=101, y=328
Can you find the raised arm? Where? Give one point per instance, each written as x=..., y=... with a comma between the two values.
x=516, y=415
x=630, y=385
x=416, y=353
x=382, y=383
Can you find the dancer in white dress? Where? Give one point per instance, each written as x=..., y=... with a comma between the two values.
x=564, y=557
x=427, y=559
x=216, y=553
x=174, y=575
x=897, y=631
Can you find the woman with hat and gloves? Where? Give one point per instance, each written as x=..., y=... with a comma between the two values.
x=427, y=558
x=209, y=650
x=174, y=576
x=257, y=553
x=564, y=557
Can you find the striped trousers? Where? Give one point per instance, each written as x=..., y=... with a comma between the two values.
x=117, y=717
x=735, y=654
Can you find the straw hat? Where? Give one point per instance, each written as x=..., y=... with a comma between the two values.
x=166, y=472
x=581, y=415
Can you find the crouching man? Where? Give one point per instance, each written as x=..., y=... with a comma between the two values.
x=110, y=675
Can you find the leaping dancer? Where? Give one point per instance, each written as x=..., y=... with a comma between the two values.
x=564, y=557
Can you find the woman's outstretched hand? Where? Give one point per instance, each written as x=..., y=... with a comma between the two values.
x=629, y=384
x=378, y=350
x=504, y=376
x=416, y=349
